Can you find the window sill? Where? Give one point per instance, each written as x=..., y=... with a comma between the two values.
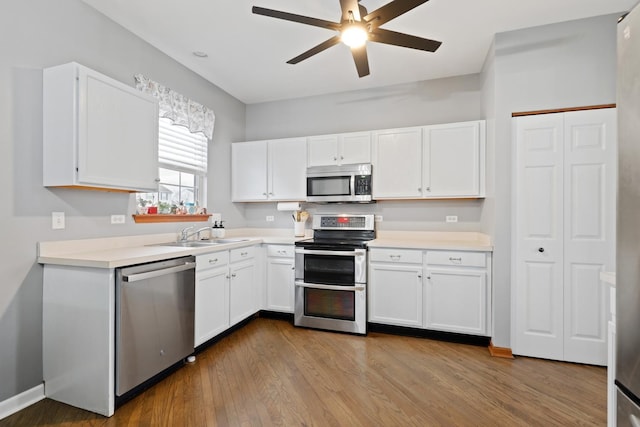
x=150, y=218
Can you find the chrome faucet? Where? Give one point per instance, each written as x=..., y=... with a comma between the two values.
x=184, y=233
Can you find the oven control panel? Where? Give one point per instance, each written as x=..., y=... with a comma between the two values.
x=343, y=222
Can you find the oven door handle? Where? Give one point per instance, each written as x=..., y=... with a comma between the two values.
x=337, y=253
x=302, y=284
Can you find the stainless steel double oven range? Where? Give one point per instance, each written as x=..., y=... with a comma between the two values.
x=331, y=274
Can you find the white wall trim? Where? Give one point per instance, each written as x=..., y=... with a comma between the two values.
x=21, y=401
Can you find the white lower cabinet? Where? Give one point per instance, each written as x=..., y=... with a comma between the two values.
x=280, y=278
x=395, y=287
x=457, y=294
x=456, y=301
x=212, y=295
x=226, y=291
x=438, y=290
x=243, y=292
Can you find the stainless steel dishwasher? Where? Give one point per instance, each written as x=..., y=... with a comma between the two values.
x=154, y=319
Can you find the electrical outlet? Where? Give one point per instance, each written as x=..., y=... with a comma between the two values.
x=57, y=220
x=451, y=218
x=378, y=218
x=270, y=218
x=117, y=219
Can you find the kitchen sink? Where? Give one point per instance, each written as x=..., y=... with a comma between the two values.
x=189, y=244
x=229, y=240
x=200, y=243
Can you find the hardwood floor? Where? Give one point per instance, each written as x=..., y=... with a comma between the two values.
x=270, y=373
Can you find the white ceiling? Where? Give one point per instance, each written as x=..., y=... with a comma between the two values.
x=248, y=53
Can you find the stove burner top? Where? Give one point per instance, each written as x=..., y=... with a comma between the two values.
x=346, y=231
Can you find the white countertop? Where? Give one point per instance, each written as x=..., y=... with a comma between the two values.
x=113, y=252
x=463, y=241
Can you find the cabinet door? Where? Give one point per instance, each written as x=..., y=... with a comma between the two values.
x=397, y=164
x=212, y=303
x=280, y=278
x=97, y=131
x=395, y=294
x=243, y=300
x=452, y=160
x=322, y=150
x=287, y=169
x=456, y=301
x=354, y=148
x=249, y=171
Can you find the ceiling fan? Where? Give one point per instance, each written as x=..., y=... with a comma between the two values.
x=356, y=27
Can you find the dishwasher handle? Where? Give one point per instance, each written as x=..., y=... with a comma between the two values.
x=157, y=273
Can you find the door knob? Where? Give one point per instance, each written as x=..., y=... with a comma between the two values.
x=540, y=250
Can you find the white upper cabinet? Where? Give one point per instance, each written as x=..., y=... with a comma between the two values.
x=249, y=171
x=439, y=161
x=341, y=149
x=269, y=170
x=397, y=164
x=287, y=169
x=453, y=160
x=97, y=132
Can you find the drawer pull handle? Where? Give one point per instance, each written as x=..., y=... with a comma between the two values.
x=233, y=274
x=395, y=257
x=213, y=261
x=244, y=253
x=455, y=259
x=540, y=250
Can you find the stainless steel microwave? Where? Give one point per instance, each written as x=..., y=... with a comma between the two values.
x=339, y=184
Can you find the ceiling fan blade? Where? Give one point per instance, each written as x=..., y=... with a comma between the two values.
x=317, y=49
x=360, y=58
x=296, y=18
x=350, y=6
x=380, y=35
x=391, y=10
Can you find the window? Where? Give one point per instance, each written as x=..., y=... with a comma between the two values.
x=183, y=169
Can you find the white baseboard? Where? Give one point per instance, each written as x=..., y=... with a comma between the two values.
x=21, y=401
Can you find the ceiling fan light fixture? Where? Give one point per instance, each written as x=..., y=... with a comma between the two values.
x=354, y=35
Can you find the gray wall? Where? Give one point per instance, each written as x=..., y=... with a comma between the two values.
x=428, y=102
x=41, y=33
x=549, y=67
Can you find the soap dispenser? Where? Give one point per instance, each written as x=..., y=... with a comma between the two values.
x=221, y=230
x=214, y=230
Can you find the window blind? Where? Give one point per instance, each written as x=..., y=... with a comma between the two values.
x=180, y=149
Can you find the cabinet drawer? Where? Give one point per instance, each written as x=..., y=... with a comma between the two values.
x=280, y=251
x=242, y=253
x=396, y=255
x=455, y=258
x=212, y=260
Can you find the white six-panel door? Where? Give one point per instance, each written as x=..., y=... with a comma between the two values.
x=589, y=231
x=564, y=233
x=539, y=195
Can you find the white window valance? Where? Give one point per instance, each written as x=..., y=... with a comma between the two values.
x=177, y=107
